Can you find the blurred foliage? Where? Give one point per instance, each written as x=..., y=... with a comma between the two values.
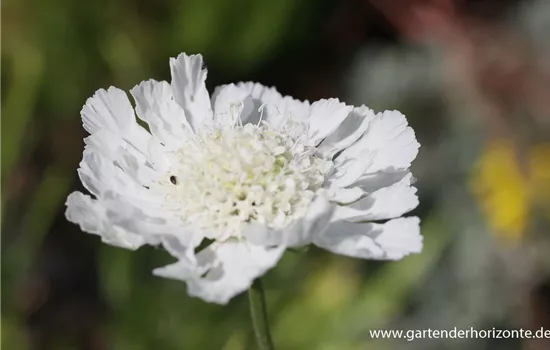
x=62, y=284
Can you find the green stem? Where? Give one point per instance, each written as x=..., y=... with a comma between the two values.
x=256, y=296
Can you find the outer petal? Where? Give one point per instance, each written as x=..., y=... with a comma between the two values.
x=101, y=175
x=385, y=203
x=91, y=216
x=390, y=241
x=126, y=204
x=366, y=184
x=141, y=216
x=223, y=270
x=155, y=105
x=182, y=246
x=232, y=102
x=111, y=110
x=258, y=101
x=129, y=224
x=98, y=175
x=300, y=233
x=351, y=129
x=315, y=222
x=387, y=145
x=188, y=85
x=326, y=116
x=345, y=195
x=374, y=181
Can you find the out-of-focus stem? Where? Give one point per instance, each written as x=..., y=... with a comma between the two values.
x=258, y=311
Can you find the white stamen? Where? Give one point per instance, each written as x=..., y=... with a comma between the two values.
x=236, y=174
x=261, y=110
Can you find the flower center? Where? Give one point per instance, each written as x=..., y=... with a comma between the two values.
x=228, y=176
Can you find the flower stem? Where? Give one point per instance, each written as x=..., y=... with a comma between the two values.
x=256, y=297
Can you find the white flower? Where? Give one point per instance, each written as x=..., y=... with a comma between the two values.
x=250, y=171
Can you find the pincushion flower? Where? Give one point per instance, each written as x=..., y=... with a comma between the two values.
x=248, y=171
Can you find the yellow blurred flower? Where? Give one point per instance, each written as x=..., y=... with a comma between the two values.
x=508, y=189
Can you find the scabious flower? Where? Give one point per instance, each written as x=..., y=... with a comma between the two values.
x=242, y=175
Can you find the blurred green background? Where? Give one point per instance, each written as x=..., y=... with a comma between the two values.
x=473, y=77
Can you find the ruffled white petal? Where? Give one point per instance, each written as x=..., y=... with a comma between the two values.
x=125, y=202
x=387, y=145
x=91, y=216
x=315, y=222
x=380, y=179
x=232, y=102
x=385, y=203
x=100, y=175
x=189, y=89
x=260, y=235
x=223, y=270
x=345, y=195
x=155, y=105
x=182, y=245
x=143, y=217
x=301, y=233
x=366, y=184
x=126, y=223
x=392, y=240
x=325, y=117
x=351, y=129
x=257, y=102
x=111, y=110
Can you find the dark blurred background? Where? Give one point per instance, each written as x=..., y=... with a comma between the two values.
x=473, y=78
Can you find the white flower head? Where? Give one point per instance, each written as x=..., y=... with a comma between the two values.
x=249, y=171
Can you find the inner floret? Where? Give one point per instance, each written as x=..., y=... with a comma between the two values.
x=228, y=176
